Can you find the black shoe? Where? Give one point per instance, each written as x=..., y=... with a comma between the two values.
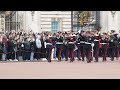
x=71, y=60
x=95, y=61
x=103, y=60
x=83, y=60
x=89, y=61
x=112, y=59
x=117, y=58
x=59, y=60
x=49, y=60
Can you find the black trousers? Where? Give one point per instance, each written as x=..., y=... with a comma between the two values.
x=37, y=54
x=117, y=52
x=88, y=49
x=43, y=51
x=96, y=52
x=59, y=53
x=112, y=52
x=81, y=52
x=66, y=51
x=78, y=53
x=49, y=52
x=104, y=51
x=71, y=53
x=1, y=55
x=26, y=55
x=11, y=55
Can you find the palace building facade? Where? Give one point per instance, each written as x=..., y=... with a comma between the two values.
x=54, y=21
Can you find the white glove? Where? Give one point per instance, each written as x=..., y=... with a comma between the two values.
x=92, y=44
x=22, y=45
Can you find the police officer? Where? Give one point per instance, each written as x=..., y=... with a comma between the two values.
x=81, y=45
x=104, y=43
x=88, y=42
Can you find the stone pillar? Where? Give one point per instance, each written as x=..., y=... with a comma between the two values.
x=104, y=21
x=113, y=21
x=2, y=22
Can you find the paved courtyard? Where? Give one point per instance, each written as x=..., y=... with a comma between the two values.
x=60, y=70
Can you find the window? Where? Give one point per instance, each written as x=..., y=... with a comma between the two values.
x=87, y=23
x=54, y=26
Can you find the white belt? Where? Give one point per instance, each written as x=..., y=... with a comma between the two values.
x=59, y=43
x=82, y=42
x=87, y=43
x=48, y=43
x=96, y=40
x=71, y=42
x=78, y=43
x=103, y=43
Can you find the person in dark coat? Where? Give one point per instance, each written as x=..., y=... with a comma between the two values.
x=11, y=52
x=32, y=49
x=27, y=52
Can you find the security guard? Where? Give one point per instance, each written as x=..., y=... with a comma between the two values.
x=88, y=45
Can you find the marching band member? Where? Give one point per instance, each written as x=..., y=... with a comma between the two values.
x=88, y=46
x=81, y=45
x=96, y=45
x=49, y=47
x=112, y=45
x=66, y=46
x=104, y=43
x=59, y=46
x=71, y=46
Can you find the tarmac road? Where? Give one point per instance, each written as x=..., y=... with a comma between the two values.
x=60, y=70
